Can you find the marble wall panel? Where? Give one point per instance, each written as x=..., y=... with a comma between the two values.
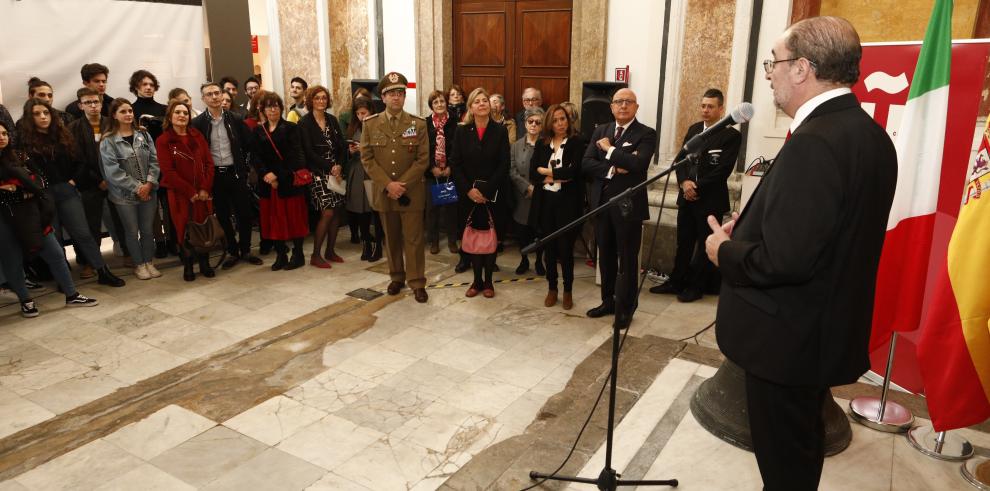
x=589, y=21
x=900, y=20
x=300, y=41
x=706, y=56
x=434, y=49
x=348, y=48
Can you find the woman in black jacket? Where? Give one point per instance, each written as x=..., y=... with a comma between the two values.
x=326, y=155
x=480, y=164
x=558, y=196
x=277, y=157
x=440, y=127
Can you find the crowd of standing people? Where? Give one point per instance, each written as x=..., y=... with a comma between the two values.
x=148, y=172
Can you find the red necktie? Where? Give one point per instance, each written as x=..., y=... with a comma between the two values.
x=618, y=133
x=788, y=137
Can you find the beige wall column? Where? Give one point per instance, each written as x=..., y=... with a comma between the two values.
x=589, y=19
x=434, y=49
x=300, y=42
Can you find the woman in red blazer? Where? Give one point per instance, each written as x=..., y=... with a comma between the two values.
x=187, y=171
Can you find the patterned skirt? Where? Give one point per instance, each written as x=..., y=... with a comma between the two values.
x=320, y=194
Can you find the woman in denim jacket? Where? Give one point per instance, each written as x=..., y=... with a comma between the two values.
x=130, y=164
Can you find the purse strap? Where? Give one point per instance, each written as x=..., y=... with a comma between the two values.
x=491, y=221
x=264, y=127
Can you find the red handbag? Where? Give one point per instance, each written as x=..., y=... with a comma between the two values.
x=302, y=177
x=476, y=241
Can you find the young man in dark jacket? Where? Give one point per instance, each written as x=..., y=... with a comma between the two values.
x=229, y=141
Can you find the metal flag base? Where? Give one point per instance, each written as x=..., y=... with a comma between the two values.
x=977, y=473
x=866, y=410
x=939, y=445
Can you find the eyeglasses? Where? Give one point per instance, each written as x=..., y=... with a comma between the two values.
x=531, y=99
x=769, y=64
x=534, y=121
x=214, y=93
x=90, y=103
x=624, y=102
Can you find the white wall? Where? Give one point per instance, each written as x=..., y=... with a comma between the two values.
x=635, y=29
x=162, y=38
x=768, y=126
x=399, y=27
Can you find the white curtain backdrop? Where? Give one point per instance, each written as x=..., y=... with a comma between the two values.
x=52, y=39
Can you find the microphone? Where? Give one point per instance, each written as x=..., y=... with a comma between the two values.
x=741, y=114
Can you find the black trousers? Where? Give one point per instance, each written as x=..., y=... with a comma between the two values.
x=692, y=268
x=231, y=196
x=618, y=257
x=788, y=433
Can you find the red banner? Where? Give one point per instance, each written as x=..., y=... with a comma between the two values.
x=883, y=87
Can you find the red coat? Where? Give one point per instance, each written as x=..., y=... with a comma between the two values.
x=187, y=168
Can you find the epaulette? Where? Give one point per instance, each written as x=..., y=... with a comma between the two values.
x=372, y=116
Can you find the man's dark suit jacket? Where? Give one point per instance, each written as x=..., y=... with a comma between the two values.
x=709, y=172
x=798, y=276
x=633, y=152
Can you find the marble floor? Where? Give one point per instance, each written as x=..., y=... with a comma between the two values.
x=281, y=380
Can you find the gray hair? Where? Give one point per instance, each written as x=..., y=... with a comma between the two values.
x=534, y=111
x=832, y=46
x=498, y=96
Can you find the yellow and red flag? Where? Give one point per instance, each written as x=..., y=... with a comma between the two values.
x=954, y=348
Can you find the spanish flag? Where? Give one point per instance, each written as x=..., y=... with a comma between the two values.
x=954, y=348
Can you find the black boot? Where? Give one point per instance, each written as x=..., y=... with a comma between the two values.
x=297, y=259
x=376, y=252
x=187, y=268
x=108, y=278
x=540, y=268
x=463, y=264
x=523, y=266
x=265, y=247
x=280, y=261
x=366, y=252
x=204, y=266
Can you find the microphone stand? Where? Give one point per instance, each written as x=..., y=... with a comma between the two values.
x=609, y=479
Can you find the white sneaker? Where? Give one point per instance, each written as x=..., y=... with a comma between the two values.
x=141, y=271
x=152, y=270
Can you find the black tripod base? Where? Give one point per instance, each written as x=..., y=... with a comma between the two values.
x=608, y=480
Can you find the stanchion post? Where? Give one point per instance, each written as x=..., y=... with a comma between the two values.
x=877, y=412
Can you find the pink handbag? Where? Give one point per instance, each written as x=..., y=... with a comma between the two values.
x=476, y=241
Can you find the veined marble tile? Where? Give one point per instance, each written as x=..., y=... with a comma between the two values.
x=161, y=334
x=482, y=395
x=73, y=337
x=200, y=343
x=391, y=465
x=134, y=319
x=336, y=353
x=519, y=369
x=9, y=341
x=213, y=313
x=12, y=485
x=145, y=365
x=504, y=337
x=146, y=478
x=416, y=342
x=524, y=316
x=180, y=303
x=692, y=453
x=106, y=356
x=480, y=306
x=382, y=362
x=41, y=375
x=103, y=310
x=865, y=465
x=329, y=442
x=452, y=432
x=333, y=482
x=18, y=413
x=639, y=422
x=248, y=324
x=915, y=471
x=20, y=357
x=74, y=392
x=292, y=308
x=272, y=470
x=331, y=390
x=252, y=298
x=83, y=468
x=48, y=322
x=427, y=377
x=274, y=420
x=160, y=432
x=446, y=323
x=465, y=355
x=209, y=455
x=705, y=371
x=385, y=408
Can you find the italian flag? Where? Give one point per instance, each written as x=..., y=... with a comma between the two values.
x=954, y=348
x=903, y=271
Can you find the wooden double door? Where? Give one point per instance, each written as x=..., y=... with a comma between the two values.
x=506, y=46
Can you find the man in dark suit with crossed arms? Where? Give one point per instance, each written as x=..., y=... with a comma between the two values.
x=617, y=160
x=703, y=192
x=799, y=270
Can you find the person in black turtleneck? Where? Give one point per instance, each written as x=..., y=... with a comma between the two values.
x=151, y=114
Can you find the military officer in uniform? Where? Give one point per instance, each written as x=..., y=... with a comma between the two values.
x=395, y=155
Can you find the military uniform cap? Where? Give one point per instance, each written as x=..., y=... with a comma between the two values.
x=391, y=81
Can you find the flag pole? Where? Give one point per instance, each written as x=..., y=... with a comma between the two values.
x=877, y=412
x=940, y=445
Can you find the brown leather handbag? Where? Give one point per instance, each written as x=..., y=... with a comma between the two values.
x=207, y=236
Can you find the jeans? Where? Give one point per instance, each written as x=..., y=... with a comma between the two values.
x=138, y=221
x=71, y=216
x=12, y=262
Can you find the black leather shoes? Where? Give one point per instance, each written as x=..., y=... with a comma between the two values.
x=231, y=261
x=601, y=311
x=689, y=295
x=395, y=287
x=667, y=288
x=622, y=321
x=462, y=266
x=420, y=294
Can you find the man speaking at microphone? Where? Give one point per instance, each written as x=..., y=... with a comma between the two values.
x=799, y=264
x=617, y=159
x=703, y=192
